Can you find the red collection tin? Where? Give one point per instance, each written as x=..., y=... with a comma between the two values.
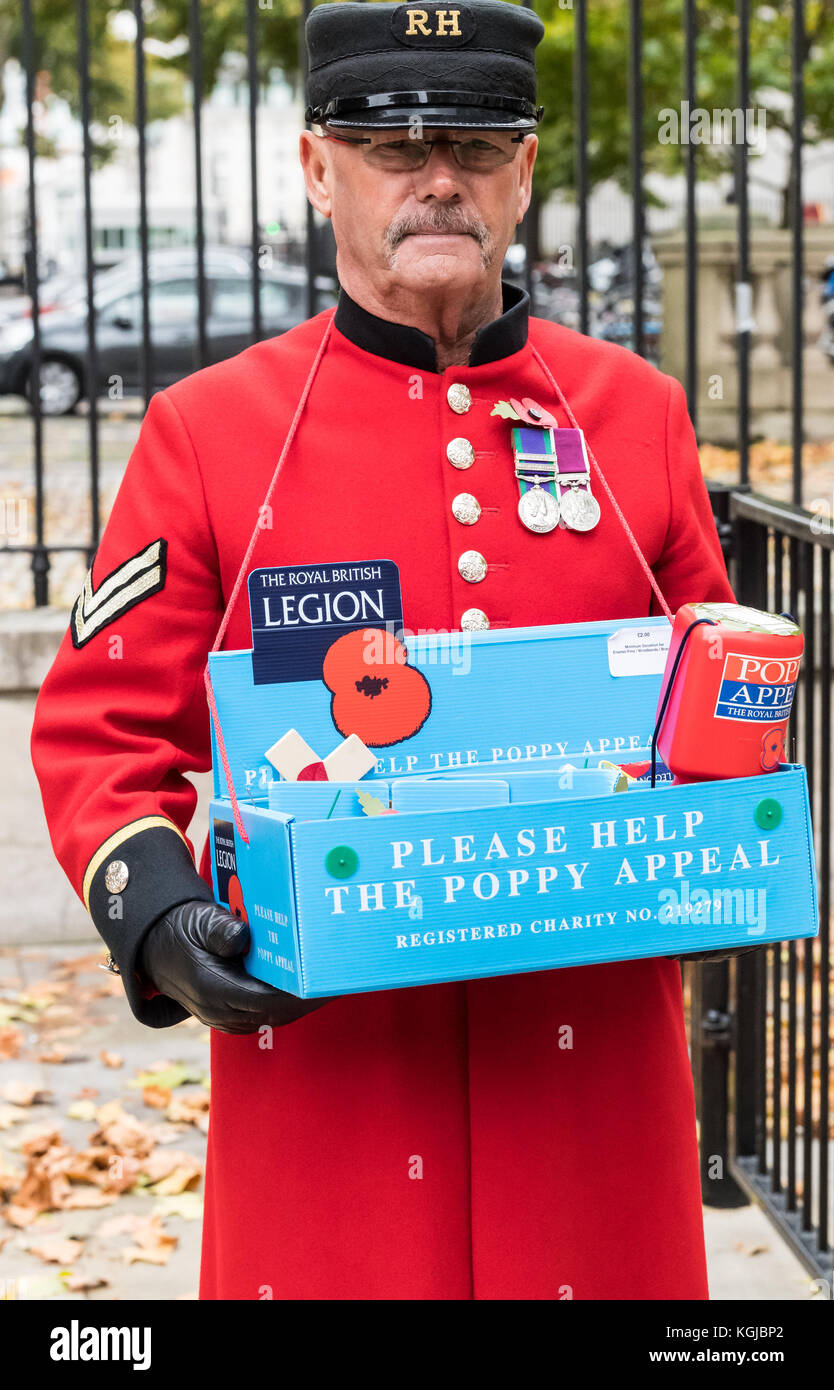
x=732, y=692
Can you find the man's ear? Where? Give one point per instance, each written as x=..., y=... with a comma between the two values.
x=315, y=165
x=525, y=184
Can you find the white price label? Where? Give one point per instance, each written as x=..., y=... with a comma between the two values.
x=639, y=651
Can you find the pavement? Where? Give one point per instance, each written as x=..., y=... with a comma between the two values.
x=106, y=1050
x=79, y=1050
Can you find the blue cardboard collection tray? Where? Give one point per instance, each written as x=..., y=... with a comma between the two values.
x=339, y=901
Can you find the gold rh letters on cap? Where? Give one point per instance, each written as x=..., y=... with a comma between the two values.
x=417, y=22
x=447, y=22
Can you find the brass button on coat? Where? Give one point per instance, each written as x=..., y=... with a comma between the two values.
x=459, y=397
x=466, y=509
x=460, y=453
x=116, y=876
x=474, y=620
x=472, y=566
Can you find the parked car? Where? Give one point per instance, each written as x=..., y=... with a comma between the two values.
x=57, y=291
x=173, y=325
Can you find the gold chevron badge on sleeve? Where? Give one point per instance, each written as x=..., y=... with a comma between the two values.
x=139, y=577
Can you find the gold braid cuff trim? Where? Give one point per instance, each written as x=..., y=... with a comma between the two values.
x=110, y=845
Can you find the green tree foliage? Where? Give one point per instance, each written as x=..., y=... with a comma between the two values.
x=663, y=82
x=223, y=31
x=112, y=68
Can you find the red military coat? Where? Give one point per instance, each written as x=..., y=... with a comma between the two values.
x=426, y=1143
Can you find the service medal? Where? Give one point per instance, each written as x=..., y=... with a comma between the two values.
x=551, y=469
x=580, y=509
x=538, y=509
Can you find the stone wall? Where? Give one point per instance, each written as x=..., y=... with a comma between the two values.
x=771, y=351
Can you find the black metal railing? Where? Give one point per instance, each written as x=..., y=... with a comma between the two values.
x=761, y=1027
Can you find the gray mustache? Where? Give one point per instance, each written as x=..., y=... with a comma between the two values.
x=448, y=221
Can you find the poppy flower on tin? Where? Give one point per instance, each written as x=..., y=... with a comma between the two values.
x=773, y=748
x=376, y=694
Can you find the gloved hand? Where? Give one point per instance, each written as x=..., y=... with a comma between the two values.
x=727, y=954
x=192, y=954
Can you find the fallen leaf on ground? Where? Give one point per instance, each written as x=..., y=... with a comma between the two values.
x=44, y=1183
x=58, y=1053
x=153, y=1244
x=188, y=1205
x=755, y=1249
x=121, y=1130
x=166, y=1133
x=180, y=1180
x=20, y=1216
x=11, y=1042
x=24, y=1093
x=78, y=1282
x=17, y=1013
x=82, y=1110
x=172, y=1172
x=157, y=1097
x=11, y=1115
x=104, y=1168
x=59, y=1250
x=86, y=1093
x=123, y=1225
x=86, y=1198
x=189, y=1108
x=9, y=1182
x=168, y=1075
x=60, y=1178
x=111, y=1059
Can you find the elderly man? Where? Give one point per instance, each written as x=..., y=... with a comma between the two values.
x=544, y=1172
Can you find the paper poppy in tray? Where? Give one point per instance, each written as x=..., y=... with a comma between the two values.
x=375, y=693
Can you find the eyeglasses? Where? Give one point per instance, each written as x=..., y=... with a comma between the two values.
x=477, y=154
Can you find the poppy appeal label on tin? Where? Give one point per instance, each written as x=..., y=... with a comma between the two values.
x=757, y=688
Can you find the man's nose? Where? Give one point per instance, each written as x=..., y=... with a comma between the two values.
x=440, y=175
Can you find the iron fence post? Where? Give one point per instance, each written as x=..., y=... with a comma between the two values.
x=712, y=1032
x=712, y=1040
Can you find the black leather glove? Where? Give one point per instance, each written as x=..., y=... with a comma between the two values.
x=192, y=954
x=728, y=954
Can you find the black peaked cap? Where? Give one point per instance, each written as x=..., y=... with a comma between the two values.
x=450, y=64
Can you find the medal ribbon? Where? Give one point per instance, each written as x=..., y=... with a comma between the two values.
x=535, y=457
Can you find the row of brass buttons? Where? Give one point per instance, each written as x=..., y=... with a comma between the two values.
x=465, y=507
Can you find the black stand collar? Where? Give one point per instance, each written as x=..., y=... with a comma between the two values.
x=399, y=342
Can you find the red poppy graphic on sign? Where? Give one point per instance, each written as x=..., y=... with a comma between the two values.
x=236, y=899
x=376, y=694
